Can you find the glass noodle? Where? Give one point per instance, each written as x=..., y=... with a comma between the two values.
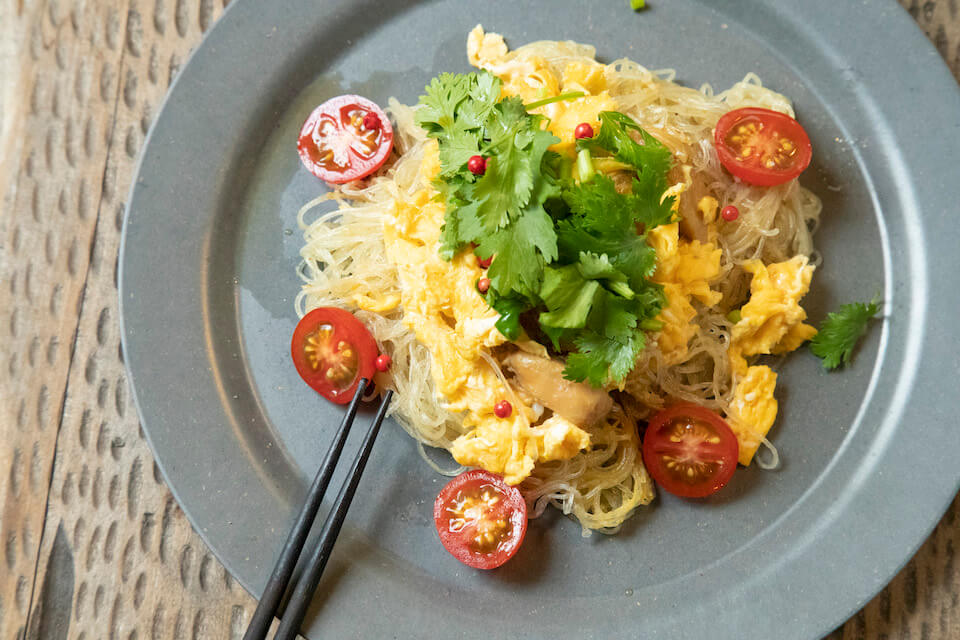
x=345, y=264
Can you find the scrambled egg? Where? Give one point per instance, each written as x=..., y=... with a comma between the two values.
x=753, y=409
x=770, y=322
x=443, y=308
x=531, y=78
x=685, y=268
x=441, y=304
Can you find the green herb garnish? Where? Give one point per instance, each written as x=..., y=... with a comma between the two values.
x=572, y=251
x=840, y=332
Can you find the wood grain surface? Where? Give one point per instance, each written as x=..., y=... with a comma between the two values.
x=92, y=543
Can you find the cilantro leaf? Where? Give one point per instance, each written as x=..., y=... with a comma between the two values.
x=622, y=316
x=600, y=358
x=602, y=224
x=614, y=137
x=615, y=318
x=629, y=252
x=515, y=154
x=606, y=333
x=453, y=110
x=506, y=184
x=605, y=236
x=840, y=332
x=608, y=349
x=652, y=209
x=521, y=249
x=568, y=296
x=438, y=105
x=451, y=238
x=600, y=208
x=598, y=267
x=466, y=116
x=588, y=364
x=484, y=95
x=651, y=158
x=458, y=147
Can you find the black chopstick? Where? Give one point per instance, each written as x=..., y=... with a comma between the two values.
x=279, y=579
x=307, y=584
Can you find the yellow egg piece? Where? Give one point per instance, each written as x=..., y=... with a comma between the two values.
x=531, y=77
x=770, y=322
x=772, y=319
x=485, y=49
x=582, y=76
x=686, y=269
x=753, y=409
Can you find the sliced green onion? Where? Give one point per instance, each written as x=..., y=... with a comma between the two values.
x=623, y=289
x=585, y=168
x=636, y=5
x=651, y=325
x=570, y=95
x=734, y=316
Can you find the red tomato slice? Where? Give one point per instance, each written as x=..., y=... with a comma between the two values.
x=332, y=350
x=481, y=519
x=690, y=451
x=761, y=146
x=337, y=145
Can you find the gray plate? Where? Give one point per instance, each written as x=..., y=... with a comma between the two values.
x=207, y=285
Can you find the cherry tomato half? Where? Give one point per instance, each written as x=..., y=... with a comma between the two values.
x=761, y=146
x=332, y=350
x=481, y=519
x=690, y=451
x=337, y=144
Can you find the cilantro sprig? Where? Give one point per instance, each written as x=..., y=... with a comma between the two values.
x=840, y=332
x=571, y=254
x=502, y=210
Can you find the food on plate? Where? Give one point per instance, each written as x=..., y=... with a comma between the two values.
x=762, y=146
x=345, y=138
x=481, y=519
x=840, y=332
x=332, y=351
x=570, y=269
x=690, y=451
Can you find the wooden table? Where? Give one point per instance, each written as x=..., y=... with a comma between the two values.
x=92, y=543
